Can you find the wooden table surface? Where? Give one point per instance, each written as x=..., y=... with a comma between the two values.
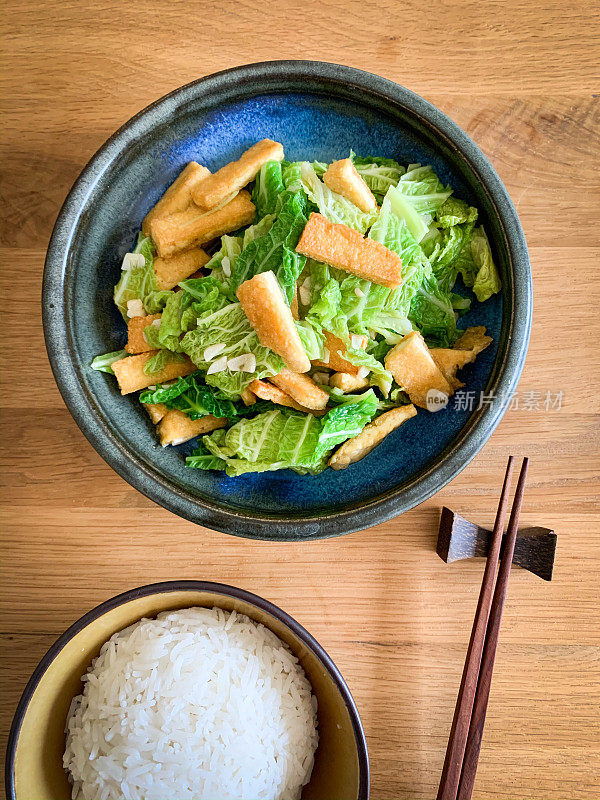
x=521, y=78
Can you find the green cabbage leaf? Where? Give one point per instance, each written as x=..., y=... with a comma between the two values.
x=378, y=173
x=137, y=283
x=192, y=396
x=280, y=439
x=330, y=204
x=275, y=250
x=104, y=362
x=230, y=326
x=268, y=189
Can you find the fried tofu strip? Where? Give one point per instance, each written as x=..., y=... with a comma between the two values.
x=336, y=361
x=473, y=339
x=465, y=350
x=346, y=249
x=449, y=361
x=270, y=316
x=156, y=411
x=131, y=376
x=302, y=388
x=343, y=177
x=169, y=271
x=176, y=427
x=178, y=196
x=294, y=304
x=347, y=382
x=248, y=397
x=235, y=175
x=267, y=391
x=195, y=226
x=136, y=342
x=414, y=369
x=370, y=436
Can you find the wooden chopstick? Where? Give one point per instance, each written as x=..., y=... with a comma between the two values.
x=471, y=756
x=466, y=694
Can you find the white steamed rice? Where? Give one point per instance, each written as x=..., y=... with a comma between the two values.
x=199, y=703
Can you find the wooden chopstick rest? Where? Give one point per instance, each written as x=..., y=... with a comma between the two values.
x=458, y=539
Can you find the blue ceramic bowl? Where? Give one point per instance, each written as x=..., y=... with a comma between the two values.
x=318, y=111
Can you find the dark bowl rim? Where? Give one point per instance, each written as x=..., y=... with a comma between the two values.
x=165, y=587
x=261, y=77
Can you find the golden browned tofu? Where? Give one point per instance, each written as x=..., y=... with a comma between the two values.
x=414, y=369
x=131, y=376
x=178, y=196
x=267, y=391
x=235, y=175
x=473, y=339
x=294, y=304
x=156, y=411
x=169, y=271
x=270, y=316
x=370, y=436
x=248, y=397
x=342, y=177
x=449, y=361
x=195, y=226
x=336, y=361
x=302, y=388
x=348, y=382
x=343, y=247
x=176, y=427
x=465, y=350
x=136, y=342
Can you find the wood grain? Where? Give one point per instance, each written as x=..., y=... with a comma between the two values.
x=521, y=79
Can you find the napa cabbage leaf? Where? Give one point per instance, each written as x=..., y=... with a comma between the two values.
x=230, y=326
x=137, y=283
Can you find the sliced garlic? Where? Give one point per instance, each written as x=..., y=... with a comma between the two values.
x=213, y=350
x=135, y=308
x=133, y=261
x=244, y=363
x=304, y=295
x=220, y=365
x=304, y=291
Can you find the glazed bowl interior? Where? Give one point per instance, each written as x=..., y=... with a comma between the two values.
x=37, y=742
x=318, y=111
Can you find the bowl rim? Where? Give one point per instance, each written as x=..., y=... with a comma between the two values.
x=164, y=587
x=263, y=77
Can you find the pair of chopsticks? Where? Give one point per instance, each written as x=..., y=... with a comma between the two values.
x=464, y=744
